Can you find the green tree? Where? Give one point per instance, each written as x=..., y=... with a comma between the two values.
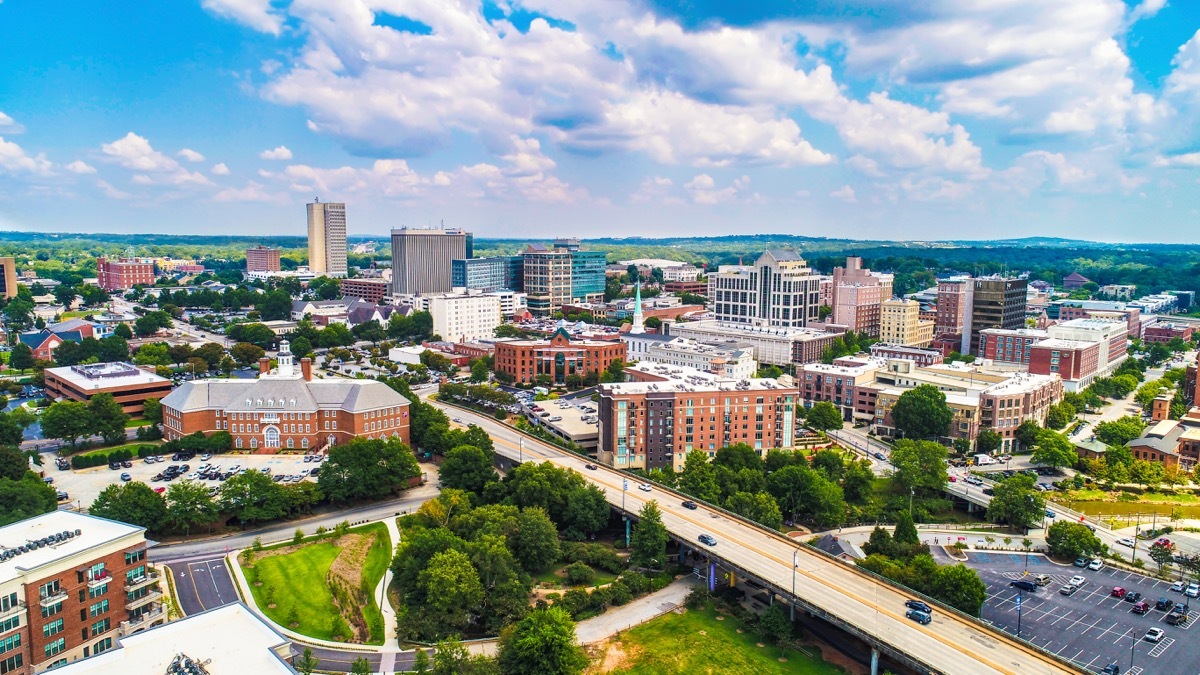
x=542, y=643
x=587, y=512
x=246, y=354
x=906, y=531
x=922, y=413
x=25, y=498
x=1016, y=502
x=361, y=666
x=823, y=416
x=13, y=462
x=306, y=663
x=759, y=507
x=421, y=661
x=919, y=466
x=1161, y=553
x=189, y=505
x=152, y=411
x=107, y=418
x=960, y=587
x=1053, y=450
x=698, y=477
x=1120, y=431
x=367, y=469
x=880, y=543
x=1059, y=415
x=829, y=463
x=648, y=539
x=468, y=468
x=152, y=354
x=535, y=541
x=1147, y=474
x=452, y=591
x=134, y=503
x=123, y=331
x=1071, y=540
x=738, y=456
x=253, y=497
x=480, y=371
x=67, y=420
x=988, y=441
x=21, y=357
x=858, y=481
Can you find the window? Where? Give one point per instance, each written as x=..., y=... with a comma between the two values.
x=11, y=663
x=56, y=647
x=48, y=589
x=10, y=642
x=10, y=623
x=99, y=608
x=100, y=627
x=7, y=602
x=102, y=646
x=51, y=610
x=97, y=591
x=53, y=628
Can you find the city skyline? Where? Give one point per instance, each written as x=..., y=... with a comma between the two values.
x=865, y=119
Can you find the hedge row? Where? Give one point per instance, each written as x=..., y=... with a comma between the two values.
x=103, y=458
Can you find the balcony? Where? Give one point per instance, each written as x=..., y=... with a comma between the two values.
x=19, y=606
x=99, y=579
x=143, y=621
x=269, y=418
x=53, y=599
x=146, y=599
x=138, y=582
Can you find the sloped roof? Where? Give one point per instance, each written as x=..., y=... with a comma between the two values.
x=1076, y=276
x=782, y=254
x=35, y=339
x=340, y=393
x=69, y=325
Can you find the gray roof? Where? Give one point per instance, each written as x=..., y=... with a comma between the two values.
x=782, y=254
x=335, y=393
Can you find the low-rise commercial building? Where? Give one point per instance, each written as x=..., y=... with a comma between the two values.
x=128, y=384
x=1009, y=346
x=922, y=357
x=557, y=358
x=71, y=585
x=776, y=346
x=1165, y=332
x=666, y=412
x=124, y=273
x=286, y=409
x=371, y=290
x=729, y=361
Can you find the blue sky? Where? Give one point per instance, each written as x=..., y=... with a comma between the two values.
x=531, y=118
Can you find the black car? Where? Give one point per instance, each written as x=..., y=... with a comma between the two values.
x=590, y=467
x=126, y=464
x=114, y=466
x=1024, y=585
x=880, y=456
x=919, y=606
x=62, y=496
x=689, y=504
x=1133, y=597
x=1164, y=604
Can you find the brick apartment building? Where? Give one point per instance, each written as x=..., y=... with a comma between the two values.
x=1009, y=346
x=847, y=383
x=70, y=585
x=557, y=357
x=128, y=384
x=922, y=357
x=124, y=273
x=667, y=411
x=286, y=410
x=262, y=259
x=1165, y=332
x=1076, y=362
x=371, y=290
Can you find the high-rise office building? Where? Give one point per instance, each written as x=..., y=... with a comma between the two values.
x=778, y=290
x=953, y=305
x=422, y=260
x=495, y=273
x=327, y=238
x=996, y=302
x=547, y=278
x=857, y=295
x=8, y=278
x=262, y=259
x=587, y=275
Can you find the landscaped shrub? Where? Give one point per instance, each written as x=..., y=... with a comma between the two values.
x=596, y=555
x=579, y=574
x=620, y=594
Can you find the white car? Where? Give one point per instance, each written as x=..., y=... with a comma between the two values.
x=1178, y=586
x=643, y=487
x=235, y=468
x=1193, y=590
x=1077, y=581
x=1127, y=541
x=1154, y=635
x=193, y=475
x=1096, y=564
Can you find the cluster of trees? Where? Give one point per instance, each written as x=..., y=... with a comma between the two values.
x=901, y=557
x=847, y=344
x=90, y=350
x=234, y=298
x=22, y=492
x=72, y=420
x=1119, y=466
x=152, y=322
x=1017, y=503
x=1072, y=540
x=922, y=413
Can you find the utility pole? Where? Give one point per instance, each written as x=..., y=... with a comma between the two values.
x=795, y=565
x=624, y=513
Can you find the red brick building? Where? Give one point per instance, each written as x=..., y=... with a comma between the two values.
x=1191, y=382
x=1165, y=332
x=262, y=259
x=557, y=357
x=371, y=290
x=1076, y=362
x=70, y=585
x=1009, y=346
x=693, y=287
x=124, y=273
x=285, y=410
x=128, y=384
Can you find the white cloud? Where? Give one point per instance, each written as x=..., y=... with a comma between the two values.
x=252, y=192
x=655, y=189
x=256, y=14
x=278, y=153
x=9, y=126
x=1146, y=9
x=703, y=189
x=135, y=152
x=111, y=191
x=845, y=193
x=80, y=167
x=220, y=169
x=13, y=159
x=190, y=155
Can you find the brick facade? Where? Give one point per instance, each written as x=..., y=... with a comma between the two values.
x=558, y=357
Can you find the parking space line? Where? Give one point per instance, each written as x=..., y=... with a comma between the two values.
x=1122, y=636
x=1161, y=647
x=1068, y=613
x=1085, y=630
x=1089, y=663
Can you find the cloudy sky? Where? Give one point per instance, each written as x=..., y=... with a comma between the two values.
x=528, y=118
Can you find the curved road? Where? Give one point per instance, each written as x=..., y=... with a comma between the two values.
x=950, y=644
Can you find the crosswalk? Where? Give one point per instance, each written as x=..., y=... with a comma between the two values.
x=1162, y=646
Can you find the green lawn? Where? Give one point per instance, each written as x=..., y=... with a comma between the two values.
x=132, y=447
x=297, y=581
x=674, y=644
x=137, y=423
x=551, y=576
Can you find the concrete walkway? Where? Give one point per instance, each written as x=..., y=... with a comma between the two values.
x=645, y=608
x=389, y=613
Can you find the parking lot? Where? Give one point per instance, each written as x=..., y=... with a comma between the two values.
x=1090, y=627
x=83, y=486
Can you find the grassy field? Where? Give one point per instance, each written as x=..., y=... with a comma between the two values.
x=132, y=447
x=137, y=423
x=554, y=576
x=296, y=583
x=695, y=642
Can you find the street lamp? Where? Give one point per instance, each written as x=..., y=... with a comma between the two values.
x=795, y=565
x=1019, y=596
x=911, y=492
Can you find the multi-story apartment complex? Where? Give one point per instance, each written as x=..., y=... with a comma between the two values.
x=556, y=358
x=422, y=260
x=900, y=323
x=857, y=296
x=997, y=302
x=496, y=273
x=129, y=385
x=70, y=586
x=124, y=273
x=685, y=273
x=776, y=346
x=286, y=409
x=1165, y=332
x=922, y=357
x=547, y=278
x=954, y=297
x=262, y=259
x=847, y=383
x=778, y=290
x=461, y=317
x=8, y=278
x=666, y=412
x=1009, y=346
x=1075, y=361
x=1111, y=335
x=371, y=290
x=327, y=238
x=728, y=361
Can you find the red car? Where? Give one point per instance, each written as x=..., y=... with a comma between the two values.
x=1118, y=592
x=952, y=479
x=1141, y=607
x=1164, y=542
x=160, y=489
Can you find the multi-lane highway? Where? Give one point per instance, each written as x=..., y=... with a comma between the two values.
x=847, y=596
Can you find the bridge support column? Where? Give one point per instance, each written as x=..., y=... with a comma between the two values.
x=874, y=661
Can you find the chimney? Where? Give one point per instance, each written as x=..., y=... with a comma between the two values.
x=264, y=366
x=306, y=368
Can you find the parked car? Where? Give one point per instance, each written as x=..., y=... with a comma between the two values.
x=126, y=464
x=1081, y=562
x=126, y=477
x=1042, y=580
x=1177, y=615
x=918, y=616
x=114, y=466
x=1078, y=580
x=1096, y=564
x=1069, y=589
x=1193, y=590
x=1164, y=605
x=707, y=540
x=63, y=496
x=1118, y=592
x=1141, y=607
x=1111, y=669
x=1154, y=635
x=1133, y=597
x=1178, y=586
x=160, y=489
x=919, y=606
x=1024, y=585
x=689, y=504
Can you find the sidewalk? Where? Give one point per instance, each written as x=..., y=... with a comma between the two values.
x=617, y=619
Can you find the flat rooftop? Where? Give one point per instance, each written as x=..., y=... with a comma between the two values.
x=229, y=640
x=749, y=332
x=85, y=533
x=105, y=375
x=684, y=379
x=1059, y=343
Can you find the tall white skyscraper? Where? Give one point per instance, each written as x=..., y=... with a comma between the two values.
x=327, y=238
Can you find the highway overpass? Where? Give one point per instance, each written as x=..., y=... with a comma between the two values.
x=844, y=595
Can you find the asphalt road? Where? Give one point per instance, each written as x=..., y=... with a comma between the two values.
x=1090, y=627
x=202, y=585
